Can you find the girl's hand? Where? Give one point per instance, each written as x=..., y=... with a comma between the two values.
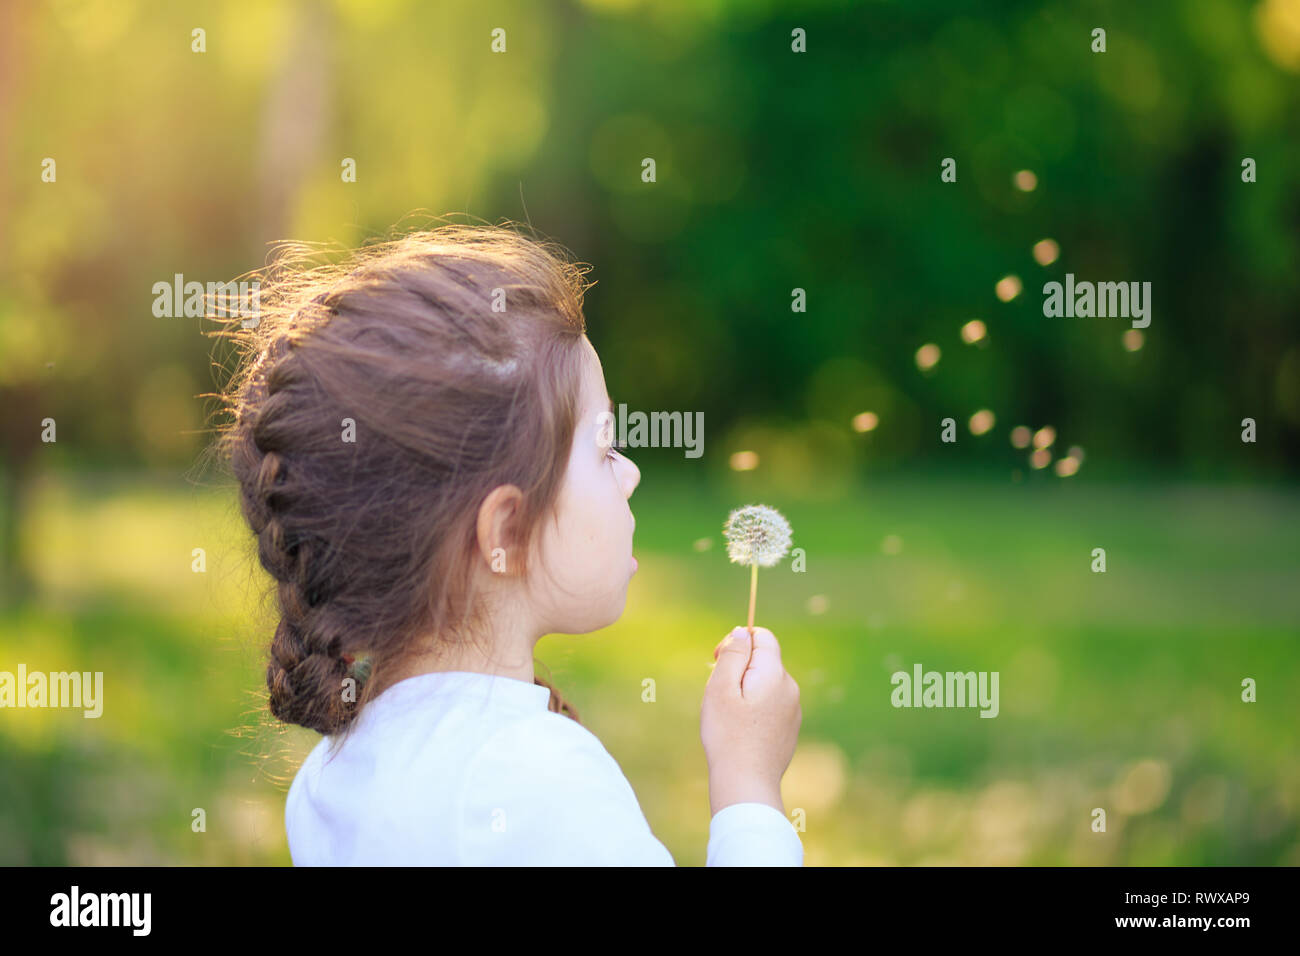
x=749, y=720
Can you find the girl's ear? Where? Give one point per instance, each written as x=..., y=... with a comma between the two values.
x=498, y=527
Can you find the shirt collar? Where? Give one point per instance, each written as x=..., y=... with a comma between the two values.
x=494, y=689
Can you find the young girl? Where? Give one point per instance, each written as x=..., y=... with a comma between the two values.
x=418, y=441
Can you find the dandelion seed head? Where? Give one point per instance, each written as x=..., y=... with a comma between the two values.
x=757, y=534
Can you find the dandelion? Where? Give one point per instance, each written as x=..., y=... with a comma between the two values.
x=758, y=536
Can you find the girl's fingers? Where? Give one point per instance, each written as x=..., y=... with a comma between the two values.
x=765, y=644
x=764, y=640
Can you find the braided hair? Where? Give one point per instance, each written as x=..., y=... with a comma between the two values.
x=371, y=415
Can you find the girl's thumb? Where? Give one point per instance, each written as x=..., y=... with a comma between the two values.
x=733, y=654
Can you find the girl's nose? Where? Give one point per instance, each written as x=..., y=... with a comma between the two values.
x=634, y=477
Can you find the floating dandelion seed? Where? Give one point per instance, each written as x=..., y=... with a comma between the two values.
x=1044, y=437
x=760, y=537
x=744, y=461
x=1025, y=180
x=981, y=422
x=1132, y=340
x=927, y=357
x=973, y=331
x=865, y=422
x=1008, y=288
x=703, y=544
x=1067, y=466
x=1041, y=458
x=1046, y=251
x=1020, y=436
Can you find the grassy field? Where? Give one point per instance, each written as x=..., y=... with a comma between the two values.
x=1119, y=690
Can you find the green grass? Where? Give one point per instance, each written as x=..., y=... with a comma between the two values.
x=1118, y=690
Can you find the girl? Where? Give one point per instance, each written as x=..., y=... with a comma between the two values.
x=417, y=436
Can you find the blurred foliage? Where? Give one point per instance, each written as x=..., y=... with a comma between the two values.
x=775, y=170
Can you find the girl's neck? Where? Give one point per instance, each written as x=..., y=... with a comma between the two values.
x=509, y=659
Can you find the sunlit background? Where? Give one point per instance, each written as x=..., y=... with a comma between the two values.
x=775, y=171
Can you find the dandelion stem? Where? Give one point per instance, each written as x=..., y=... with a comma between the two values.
x=753, y=596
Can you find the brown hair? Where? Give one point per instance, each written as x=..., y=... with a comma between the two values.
x=453, y=357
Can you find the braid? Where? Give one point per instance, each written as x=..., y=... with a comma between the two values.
x=557, y=704
x=307, y=666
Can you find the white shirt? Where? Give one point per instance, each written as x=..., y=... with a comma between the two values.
x=463, y=769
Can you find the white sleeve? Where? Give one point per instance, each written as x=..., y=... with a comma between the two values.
x=543, y=791
x=753, y=834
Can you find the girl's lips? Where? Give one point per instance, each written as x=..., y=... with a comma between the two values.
x=634, y=565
